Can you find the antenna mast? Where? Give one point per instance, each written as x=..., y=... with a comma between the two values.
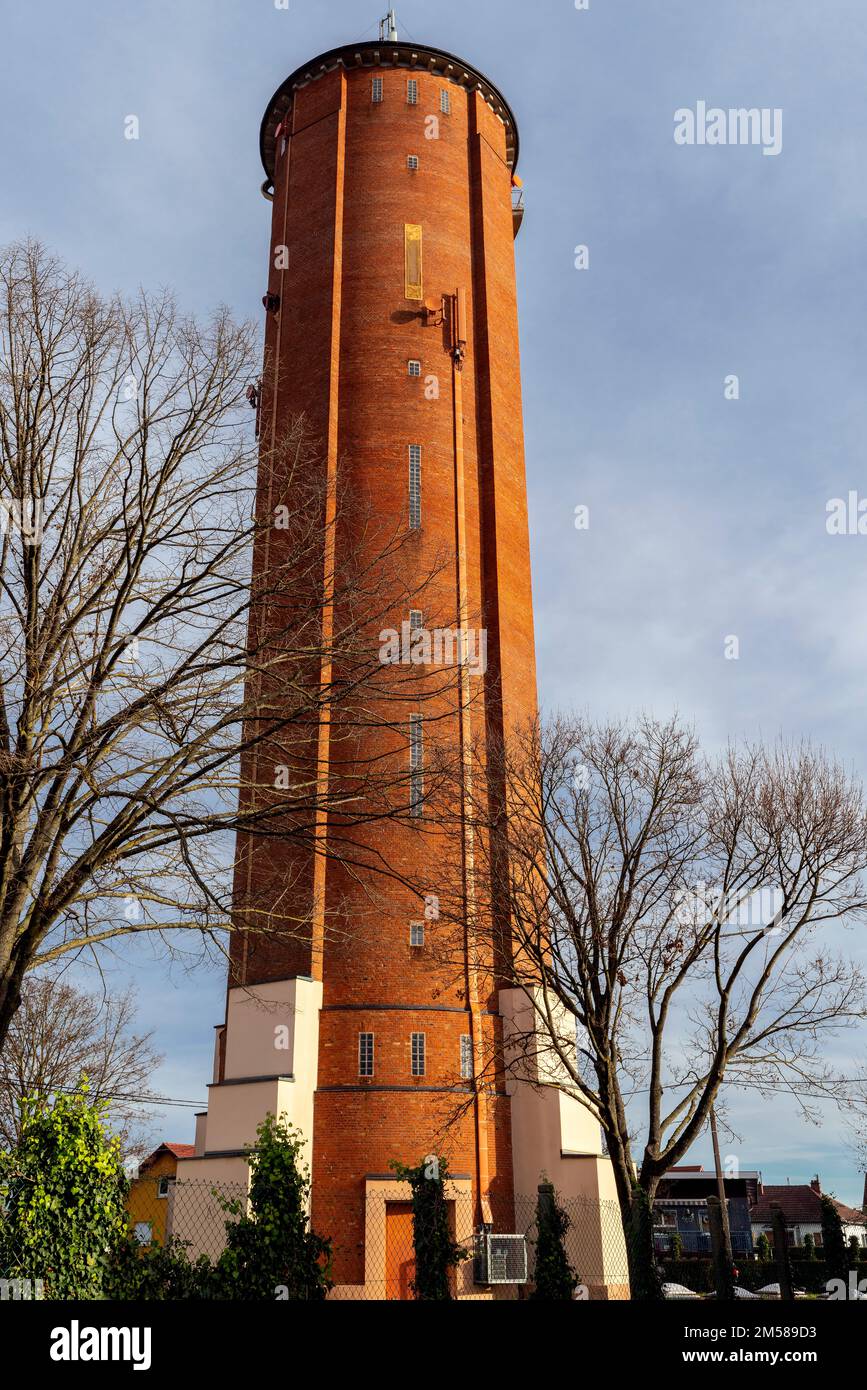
x=388, y=28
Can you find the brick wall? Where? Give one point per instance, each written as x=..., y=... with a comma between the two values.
x=337, y=351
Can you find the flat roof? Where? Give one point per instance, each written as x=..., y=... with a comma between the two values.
x=373, y=54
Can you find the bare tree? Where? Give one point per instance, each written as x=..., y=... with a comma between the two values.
x=667, y=916
x=156, y=700
x=58, y=1037
x=857, y=1126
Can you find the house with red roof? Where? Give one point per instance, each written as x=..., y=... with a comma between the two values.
x=802, y=1208
x=680, y=1212
x=149, y=1199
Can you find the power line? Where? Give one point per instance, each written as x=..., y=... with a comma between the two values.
x=755, y=1086
x=142, y=1098
x=137, y=1098
x=408, y=34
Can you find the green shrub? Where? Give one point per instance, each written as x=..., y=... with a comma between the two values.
x=64, y=1193
x=693, y=1273
x=65, y=1220
x=271, y=1252
x=555, y=1279
x=436, y=1252
x=833, y=1242
x=697, y=1274
x=809, y=1275
x=155, y=1273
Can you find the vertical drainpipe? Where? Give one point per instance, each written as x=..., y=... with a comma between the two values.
x=332, y=441
x=457, y=327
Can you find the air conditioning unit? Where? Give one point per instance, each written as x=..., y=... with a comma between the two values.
x=500, y=1259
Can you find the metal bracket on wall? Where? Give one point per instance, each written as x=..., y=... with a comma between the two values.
x=434, y=314
x=458, y=326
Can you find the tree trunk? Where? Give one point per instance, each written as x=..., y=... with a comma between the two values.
x=636, y=1214
x=10, y=996
x=645, y=1280
x=722, y=1260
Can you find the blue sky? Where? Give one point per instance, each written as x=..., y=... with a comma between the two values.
x=707, y=515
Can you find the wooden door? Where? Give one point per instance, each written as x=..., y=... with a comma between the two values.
x=399, y=1251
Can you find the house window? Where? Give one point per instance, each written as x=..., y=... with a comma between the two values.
x=445, y=101
x=418, y=1054
x=414, y=367
x=415, y=487
x=416, y=621
x=664, y=1219
x=416, y=765
x=466, y=1057
x=412, y=92
x=163, y=1187
x=416, y=933
x=377, y=91
x=412, y=162
x=365, y=1054
x=143, y=1232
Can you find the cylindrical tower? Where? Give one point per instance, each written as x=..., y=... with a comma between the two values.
x=396, y=335
x=392, y=328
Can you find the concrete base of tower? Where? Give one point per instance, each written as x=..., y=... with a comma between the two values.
x=266, y=1058
x=556, y=1138
x=266, y=1061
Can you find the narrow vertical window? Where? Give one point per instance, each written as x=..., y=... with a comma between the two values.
x=365, y=1054
x=376, y=94
x=412, y=163
x=413, y=259
x=416, y=933
x=416, y=621
x=466, y=1057
x=415, y=487
x=416, y=765
x=418, y=1054
x=414, y=367
x=445, y=101
x=412, y=92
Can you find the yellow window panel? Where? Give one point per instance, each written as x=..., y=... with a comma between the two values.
x=412, y=241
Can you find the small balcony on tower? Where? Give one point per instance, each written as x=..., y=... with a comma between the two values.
x=517, y=208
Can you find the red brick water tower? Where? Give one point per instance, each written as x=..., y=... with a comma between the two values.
x=392, y=327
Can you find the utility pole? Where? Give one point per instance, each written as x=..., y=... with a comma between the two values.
x=721, y=1190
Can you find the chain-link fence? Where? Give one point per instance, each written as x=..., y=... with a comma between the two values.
x=499, y=1248
x=373, y=1243
x=376, y=1258
x=594, y=1243
x=162, y=1209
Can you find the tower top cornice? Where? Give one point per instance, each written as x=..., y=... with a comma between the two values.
x=376, y=54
